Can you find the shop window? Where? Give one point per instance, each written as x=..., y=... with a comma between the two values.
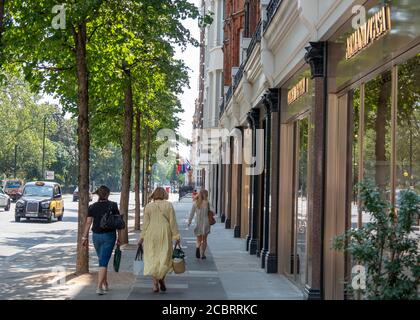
x=355, y=100
x=372, y=152
x=298, y=259
x=408, y=126
x=377, y=133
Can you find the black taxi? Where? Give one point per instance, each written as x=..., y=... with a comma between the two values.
x=40, y=200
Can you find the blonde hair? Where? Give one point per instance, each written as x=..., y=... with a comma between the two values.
x=159, y=194
x=202, y=196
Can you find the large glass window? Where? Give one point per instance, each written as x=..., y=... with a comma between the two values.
x=300, y=212
x=355, y=214
x=408, y=126
x=377, y=133
x=374, y=126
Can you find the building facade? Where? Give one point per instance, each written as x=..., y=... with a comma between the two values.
x=320, y=94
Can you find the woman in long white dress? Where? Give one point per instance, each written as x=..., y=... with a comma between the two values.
x=200, y=210
x=159, y=230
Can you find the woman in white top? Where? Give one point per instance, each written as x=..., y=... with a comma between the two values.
x=200, y=210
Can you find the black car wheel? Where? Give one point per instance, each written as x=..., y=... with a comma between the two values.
x=17, y=219
x=7, y=207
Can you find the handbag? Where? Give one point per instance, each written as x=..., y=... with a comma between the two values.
x=110, y=221
x=212, y=220
x=117, y=258
x=138, y=266
x=178, y=259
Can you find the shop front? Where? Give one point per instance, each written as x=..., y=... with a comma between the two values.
x=295, y=189
x=373, y=125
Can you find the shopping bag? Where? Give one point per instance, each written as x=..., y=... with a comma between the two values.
x=138, y=265
x=117, y=258
x=178, y=259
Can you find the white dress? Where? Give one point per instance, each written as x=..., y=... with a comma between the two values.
x=159, y=230
x=202, y=226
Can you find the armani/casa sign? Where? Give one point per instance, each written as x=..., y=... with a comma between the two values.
x=376, y=26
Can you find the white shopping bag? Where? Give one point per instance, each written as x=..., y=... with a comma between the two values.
x=138, y=265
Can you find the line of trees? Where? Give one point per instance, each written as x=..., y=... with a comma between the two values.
x=112, y=66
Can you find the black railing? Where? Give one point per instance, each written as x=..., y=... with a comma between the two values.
x=271, y=11
x=229, y=95
x=238, y=75
x=255, y=39
x=221, y=108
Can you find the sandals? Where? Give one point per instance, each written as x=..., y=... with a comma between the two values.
x=155, y=288
x=162, y=285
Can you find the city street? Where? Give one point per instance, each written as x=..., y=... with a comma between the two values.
x=16, y=237
x=37, y=257
x=34, y=253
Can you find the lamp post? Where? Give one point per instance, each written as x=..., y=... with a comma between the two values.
x=15, y=168
x=43, y=148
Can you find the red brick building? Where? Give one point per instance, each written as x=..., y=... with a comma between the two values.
x=241, y=20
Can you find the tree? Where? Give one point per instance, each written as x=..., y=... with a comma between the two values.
x=386, y=246
x=59, y=66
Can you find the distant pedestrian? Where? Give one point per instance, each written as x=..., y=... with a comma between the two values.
x=200, y=210
x=194, y=194
x=104, y=240
x=159, y=230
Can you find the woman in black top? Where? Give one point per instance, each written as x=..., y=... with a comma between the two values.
x=103, y=240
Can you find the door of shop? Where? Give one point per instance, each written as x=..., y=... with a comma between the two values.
x=298, y=265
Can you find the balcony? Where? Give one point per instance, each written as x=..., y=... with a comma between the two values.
x=238, y=76
x=229, y=94
x=221, y=107
x=255, y=39
x=271, y=11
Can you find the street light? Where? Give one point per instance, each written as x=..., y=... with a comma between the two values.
x=43, y=148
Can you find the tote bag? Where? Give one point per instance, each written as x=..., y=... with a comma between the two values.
x=178, y=262
x=117, y=258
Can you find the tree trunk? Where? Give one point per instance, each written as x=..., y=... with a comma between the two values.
x=143, y=190
x=82, y=263
x=382, y=116
x=147, y=177
x=137, y=173
x=127, y=154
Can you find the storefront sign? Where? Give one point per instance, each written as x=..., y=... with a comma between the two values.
x=375, y=27
x=297, y=91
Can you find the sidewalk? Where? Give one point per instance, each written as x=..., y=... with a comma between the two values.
x=229, y=272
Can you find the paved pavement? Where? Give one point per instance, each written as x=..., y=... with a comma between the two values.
x=37, y=267
x=229, y=272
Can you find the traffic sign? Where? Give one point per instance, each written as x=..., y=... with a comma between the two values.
x=49, y=175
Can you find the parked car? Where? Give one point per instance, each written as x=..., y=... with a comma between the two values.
x=76, y=195
x=40, y=200
x=4, y=200
x=12, y=187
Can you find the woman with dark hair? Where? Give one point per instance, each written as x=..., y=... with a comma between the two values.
x=103, y=240
x=200, y=210
x=159, y=230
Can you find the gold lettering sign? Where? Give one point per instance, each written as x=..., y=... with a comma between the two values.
x=371, y=30
x=297, y=91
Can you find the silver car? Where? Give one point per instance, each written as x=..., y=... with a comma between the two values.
x=4, y=200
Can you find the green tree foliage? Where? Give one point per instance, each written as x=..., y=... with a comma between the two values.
x=386, y=246
x=22, y=117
